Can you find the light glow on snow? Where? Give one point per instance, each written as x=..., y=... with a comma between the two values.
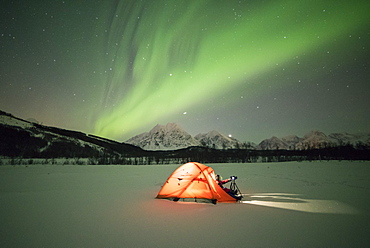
x=299, y=203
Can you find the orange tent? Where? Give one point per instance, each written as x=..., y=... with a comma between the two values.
x=194, y=182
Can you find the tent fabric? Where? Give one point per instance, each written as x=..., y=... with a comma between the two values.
x=194, y=181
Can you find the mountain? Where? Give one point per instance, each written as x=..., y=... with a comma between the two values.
x=273, y=143
x=291, y=141
x=29, y=139
x=345, y=138
x=164, y=137
x=21, y=138
x=172, y=136
x=214, y=139
x=314, y=139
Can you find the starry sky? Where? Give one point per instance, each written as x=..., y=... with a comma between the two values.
x=253, y=69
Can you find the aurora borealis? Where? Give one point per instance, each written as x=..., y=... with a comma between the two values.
x=250, y=68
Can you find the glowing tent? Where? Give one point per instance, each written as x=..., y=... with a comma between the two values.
x=194, y=182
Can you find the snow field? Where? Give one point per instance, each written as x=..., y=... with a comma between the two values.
x=307, y=204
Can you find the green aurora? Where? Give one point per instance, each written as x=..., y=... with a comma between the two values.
x=166, y=56
x=250, y=68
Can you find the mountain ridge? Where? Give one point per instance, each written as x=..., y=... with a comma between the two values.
x=314, y=140
x=213, y=139
x=172, y=136
x=28, y=138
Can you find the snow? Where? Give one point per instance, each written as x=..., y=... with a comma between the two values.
x=306, y=204
x=11, y=121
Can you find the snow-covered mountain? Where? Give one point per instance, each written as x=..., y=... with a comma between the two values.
x=291, y=141
x=164, y=137
x=21, y=138
x=314, y=139
x=29, y=139
x=345, y=138
x=215, y=139
x=273, y=143
x=172, y=136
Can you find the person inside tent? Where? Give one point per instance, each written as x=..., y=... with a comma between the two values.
x=222, y=182
x=233, y=191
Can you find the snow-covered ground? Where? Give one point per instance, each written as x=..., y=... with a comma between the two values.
x=307, y=204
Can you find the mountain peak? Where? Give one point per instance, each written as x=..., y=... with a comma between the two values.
x=164, y=137
x=273, y=143
x=215, y=139
x=172, y=136
x=214, y=132
x=169, y=127
x=313, y=139
x=314, y=133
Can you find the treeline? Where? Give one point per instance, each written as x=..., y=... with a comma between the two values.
x=207, y=155
x=25, y=152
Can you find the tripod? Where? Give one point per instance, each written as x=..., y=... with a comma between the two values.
x=235, y=189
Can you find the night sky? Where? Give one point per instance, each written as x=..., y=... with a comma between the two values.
x=252, y=69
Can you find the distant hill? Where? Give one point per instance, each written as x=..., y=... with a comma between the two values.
x=29, y=139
